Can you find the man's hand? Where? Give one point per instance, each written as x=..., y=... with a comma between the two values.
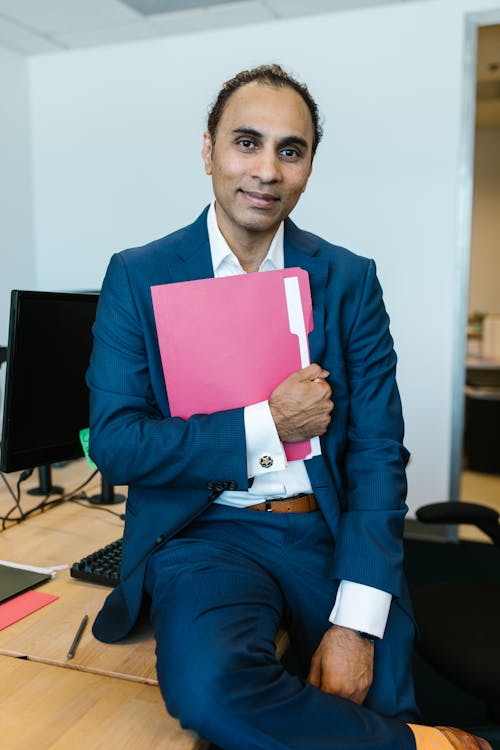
x=301, y=405
x=343, y=664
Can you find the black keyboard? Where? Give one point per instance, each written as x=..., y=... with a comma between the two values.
x=102, y=566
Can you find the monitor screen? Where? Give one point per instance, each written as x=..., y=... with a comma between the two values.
x=46, y=401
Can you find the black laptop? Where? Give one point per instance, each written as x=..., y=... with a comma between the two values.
x=14, y=581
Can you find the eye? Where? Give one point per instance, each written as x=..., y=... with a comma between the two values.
x=246, y=144
x=290, y=153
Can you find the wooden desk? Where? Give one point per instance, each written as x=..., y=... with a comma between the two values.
x=52, y=708
x=62, y=535
x=48, y=702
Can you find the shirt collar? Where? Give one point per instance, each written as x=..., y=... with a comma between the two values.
x=225, y=261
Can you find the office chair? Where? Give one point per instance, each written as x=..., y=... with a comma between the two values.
x=459, y=619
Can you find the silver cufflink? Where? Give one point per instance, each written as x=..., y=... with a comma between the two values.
x=266, y=462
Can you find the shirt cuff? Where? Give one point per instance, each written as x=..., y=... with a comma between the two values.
x=362, y=608
x=265, y=450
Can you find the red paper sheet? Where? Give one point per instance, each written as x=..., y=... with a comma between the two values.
x=22, y=606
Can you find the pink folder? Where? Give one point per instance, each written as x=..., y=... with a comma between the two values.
x=228, y=342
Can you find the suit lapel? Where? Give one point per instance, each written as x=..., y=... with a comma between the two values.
x=301, y=251
x=193, y=260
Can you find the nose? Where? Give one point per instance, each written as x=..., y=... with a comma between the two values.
x=267, y=166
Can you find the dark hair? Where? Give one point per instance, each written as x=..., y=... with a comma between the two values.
x=271, y=75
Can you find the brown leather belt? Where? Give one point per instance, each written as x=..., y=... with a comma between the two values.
x=296, y=504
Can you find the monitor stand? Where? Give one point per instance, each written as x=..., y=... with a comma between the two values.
x=45, y=486
x=107, y=495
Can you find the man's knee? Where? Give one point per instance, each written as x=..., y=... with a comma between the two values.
x=207, y=692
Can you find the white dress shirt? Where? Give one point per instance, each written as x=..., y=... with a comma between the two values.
x=356, y=606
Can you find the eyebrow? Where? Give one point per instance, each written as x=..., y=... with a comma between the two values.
x=285, y=141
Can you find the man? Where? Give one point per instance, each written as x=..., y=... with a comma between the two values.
x=219, y=574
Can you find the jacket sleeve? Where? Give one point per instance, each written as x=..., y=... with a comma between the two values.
x=131, y=440
x=369, y=547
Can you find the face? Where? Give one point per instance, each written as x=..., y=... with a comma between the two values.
x=260, y=161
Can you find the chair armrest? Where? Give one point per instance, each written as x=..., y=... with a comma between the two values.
x=454, y=512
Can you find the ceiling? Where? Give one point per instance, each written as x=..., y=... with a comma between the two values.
x=32, y=27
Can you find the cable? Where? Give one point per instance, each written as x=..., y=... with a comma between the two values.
x=43, y=504
x=92, y=506
x=17, y=499
x=46, y=503
x=8, y=485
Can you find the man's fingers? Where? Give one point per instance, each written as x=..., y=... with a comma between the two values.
x=301, y=404
x=314, y=676
x=313, y=372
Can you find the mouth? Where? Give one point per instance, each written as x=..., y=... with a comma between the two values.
x=259, y=200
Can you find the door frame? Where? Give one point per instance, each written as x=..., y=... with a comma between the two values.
x=473, y=21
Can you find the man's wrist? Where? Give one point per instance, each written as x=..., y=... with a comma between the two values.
x=265, y=451
x=368, y=636
x=361, y=608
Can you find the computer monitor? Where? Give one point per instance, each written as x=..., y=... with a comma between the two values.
x=46, y=401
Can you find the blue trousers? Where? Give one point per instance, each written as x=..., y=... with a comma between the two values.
x=219, y=591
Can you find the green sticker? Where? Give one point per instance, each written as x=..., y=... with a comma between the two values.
x=84, y=440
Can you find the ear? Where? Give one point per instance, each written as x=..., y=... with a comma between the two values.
x=206, y=152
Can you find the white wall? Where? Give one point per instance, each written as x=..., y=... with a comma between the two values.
x=484, y=293
x=117, y=134
x=17, y=256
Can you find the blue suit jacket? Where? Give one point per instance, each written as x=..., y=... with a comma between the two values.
x=167, y=462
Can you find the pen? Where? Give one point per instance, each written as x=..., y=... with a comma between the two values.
x=78, y=635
